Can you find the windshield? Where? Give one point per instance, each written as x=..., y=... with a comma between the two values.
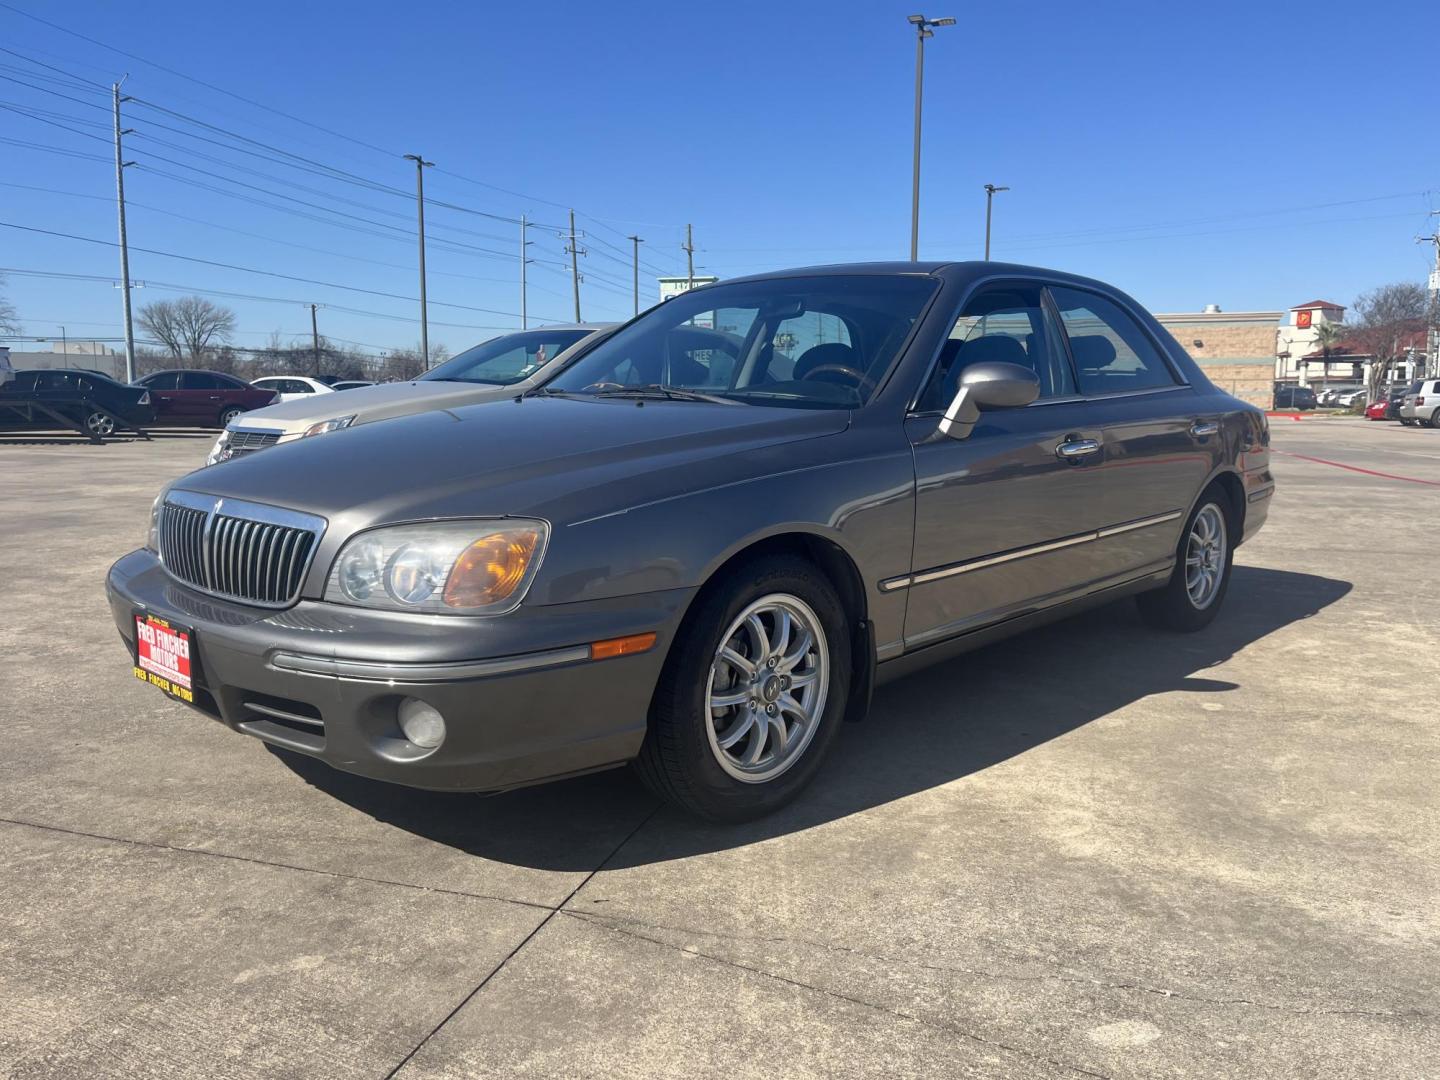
x=506, y=359
x=807, y=342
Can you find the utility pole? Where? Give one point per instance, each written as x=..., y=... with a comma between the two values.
x=64, y=343
x=524, y=261
x=990, y=190
x=1432, y=317
x=315, y=338
x=120, y=164
x=923, y=29
x=689, y=247
x=635, y=268
x=420, y=166
x=574, y=252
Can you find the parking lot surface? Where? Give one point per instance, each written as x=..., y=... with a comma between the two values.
x=1094, y=850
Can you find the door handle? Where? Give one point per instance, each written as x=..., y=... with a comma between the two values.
x=1201, y=428
x=1073, y=449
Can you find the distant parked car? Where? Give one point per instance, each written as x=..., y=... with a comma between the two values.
x=1394, y=398
x=1351, y=398
x=501, y=367
x=1422, y=404
x=1378, y=410
x=1294, y=397
x=30, y=401
x=350, y=384
x=293, y=387
x=201, y=398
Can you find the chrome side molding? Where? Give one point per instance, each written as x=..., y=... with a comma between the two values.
x=940, y=572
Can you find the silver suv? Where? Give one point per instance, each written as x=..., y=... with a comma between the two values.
x=1422, y=404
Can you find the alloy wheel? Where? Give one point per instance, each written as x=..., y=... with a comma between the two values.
x=1205, y=550
x=768, y=684
x=97, y=423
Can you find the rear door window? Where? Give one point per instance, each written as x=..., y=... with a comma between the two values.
x=165, y=380
x=1112, y=353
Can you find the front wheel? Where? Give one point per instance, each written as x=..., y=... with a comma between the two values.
x=1191, y=599
x=752, y=693
x=229, y=416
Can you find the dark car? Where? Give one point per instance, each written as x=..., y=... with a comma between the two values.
x=50, y=398
x=202, y=398
x=1295, y=397
x=703, y=543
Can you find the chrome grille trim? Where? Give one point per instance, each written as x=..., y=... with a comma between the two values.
x=238, y=550
x=243, y=441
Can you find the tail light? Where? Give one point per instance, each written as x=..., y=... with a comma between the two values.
x=1419, y=401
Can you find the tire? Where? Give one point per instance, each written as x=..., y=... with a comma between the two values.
x=682, y=759
x=97, y=423
x=230, y=415
x=1435, y=419
x=1176, y=605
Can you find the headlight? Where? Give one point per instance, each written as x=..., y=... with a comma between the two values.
x=217, y=452
x=444, y=567
x=152, y=542
x=337, y=424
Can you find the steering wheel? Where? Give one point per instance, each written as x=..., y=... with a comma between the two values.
x=862, y=381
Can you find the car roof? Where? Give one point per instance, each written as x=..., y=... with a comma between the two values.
x=963, y=269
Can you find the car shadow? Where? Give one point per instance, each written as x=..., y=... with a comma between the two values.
x=929, y=729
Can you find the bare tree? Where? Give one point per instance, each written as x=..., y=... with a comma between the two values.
x=9, y=320
x=188, y=326
x=1385, y=319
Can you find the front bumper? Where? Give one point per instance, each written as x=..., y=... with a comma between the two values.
x=521, y=700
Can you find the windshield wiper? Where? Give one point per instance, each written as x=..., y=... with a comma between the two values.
x=659, y=391
x=546, y=391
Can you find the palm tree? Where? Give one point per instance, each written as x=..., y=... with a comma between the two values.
x=1327, y=336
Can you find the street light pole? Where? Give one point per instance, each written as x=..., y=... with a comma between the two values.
x=923, y=29
x=635, y=269
x=420, y=166
x=990, y=190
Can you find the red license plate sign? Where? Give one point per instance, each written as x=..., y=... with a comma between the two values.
x=162, y=656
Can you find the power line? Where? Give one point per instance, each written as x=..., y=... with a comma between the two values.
x=132, y=204
x=166, y=286
x=191, y=78
x=253, y=270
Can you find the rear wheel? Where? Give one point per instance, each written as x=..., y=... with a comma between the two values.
x=1435, y=418
x=1191, y=599
x=752, y=693
x=229, y=416
x=99, y=423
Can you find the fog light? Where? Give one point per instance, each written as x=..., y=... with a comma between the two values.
x=422, y=724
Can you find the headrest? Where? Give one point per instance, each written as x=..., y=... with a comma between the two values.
x=993, y=348
x=1092, y=351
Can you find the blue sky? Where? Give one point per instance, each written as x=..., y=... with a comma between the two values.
x=1250, y=155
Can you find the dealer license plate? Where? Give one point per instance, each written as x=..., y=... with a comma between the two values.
x=164, y=656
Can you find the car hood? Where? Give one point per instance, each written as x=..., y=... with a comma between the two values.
x=367, y=403
x=560, y=459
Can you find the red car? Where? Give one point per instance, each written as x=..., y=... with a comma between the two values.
x=1378, y=410
x=202, y=398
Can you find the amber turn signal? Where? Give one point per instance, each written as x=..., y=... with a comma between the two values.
x=490, y=569
x=621, y=646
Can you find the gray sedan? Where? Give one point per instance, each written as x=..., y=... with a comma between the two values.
x=701, y=545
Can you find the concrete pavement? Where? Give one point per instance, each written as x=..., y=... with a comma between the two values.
x=1092, y=850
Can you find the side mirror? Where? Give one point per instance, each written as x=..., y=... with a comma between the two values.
x=987, y=386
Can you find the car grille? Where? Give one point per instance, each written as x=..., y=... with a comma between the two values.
x=247, y=442
x=239, y=550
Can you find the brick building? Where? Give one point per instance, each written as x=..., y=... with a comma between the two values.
x=1236, y=349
